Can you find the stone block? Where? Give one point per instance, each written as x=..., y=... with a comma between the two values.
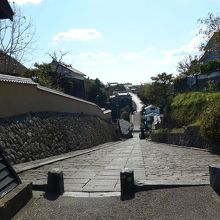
x=15, y=200
x=214, y=172
x=55, y=183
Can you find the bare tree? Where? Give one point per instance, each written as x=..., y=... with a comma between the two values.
x=209, y=25
x=188, y=66
x=16, y=39
x=58, y=56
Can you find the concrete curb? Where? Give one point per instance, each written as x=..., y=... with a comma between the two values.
x=185, y=147
x=19, y=168
x=145, y=187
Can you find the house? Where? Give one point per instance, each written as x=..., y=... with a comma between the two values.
x=151, y=116
x=212, y=49
x=5, y=10
x=209, y=76
x=70, y=75
x=118, y=101
x=114, y=88
x=151, y=109
x=10, y=66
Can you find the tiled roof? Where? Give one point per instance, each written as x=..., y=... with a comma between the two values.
x=64, y=95
x=15, y=79
x=70, y=68
x=75, y=70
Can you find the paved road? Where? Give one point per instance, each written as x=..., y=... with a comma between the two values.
x=187, y=203
x=135, y=118
x=152, y=163
x=137, y=101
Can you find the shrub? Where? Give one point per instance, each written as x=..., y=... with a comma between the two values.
x=211, y=66
x=210, y=123
x=161, y=131
x=187, y=108
x=125, y=116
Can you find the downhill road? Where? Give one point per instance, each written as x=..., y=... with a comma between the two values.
x=153, y=163
x=136, y=118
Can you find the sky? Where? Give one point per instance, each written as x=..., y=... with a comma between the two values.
x=117, y=40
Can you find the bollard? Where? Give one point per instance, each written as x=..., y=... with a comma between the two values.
x=142, y=134
x=127, y=183
x=214, y=173
x=55, y=183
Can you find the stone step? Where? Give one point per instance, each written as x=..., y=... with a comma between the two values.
x=13, y=201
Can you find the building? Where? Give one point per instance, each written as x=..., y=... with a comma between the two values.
x=151, y=116
x=212, y=49
x=119, y=101
x=10, y=66
x=5, y=10
x=69, y=75
x=209, y=78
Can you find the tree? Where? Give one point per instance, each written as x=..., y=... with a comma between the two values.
x=16, y=38
x=188, y=66
x=96, y=92
x=57, y=56
x=162, y=89
x=159, y=92
x=43, y=74
x=209, y=25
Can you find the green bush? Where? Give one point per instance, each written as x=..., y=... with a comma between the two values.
x=160, y=131
x=210, y=123
x=186, y=108
x=211, y=66
x=125, y=116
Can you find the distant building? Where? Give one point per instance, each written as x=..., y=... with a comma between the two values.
x=151, y=109
x=118, y=101
x=212, y=49
x=134, y=88
x=10, y=66
x=114, y=88
x=151, y=116
x=71, y=75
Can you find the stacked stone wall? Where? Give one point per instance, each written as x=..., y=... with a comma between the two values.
x=37, y=136
x=191, y=137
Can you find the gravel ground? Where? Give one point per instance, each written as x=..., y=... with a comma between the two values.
x=199, y=202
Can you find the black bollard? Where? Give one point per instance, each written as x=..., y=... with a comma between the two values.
x=127, y=183
x=214, y=173
x=142, y=134
x=55, y=183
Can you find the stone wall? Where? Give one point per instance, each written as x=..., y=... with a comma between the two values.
x=36, y=136
x=190, y=137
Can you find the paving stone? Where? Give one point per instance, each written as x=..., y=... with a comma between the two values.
x=102, y=182
x=76, y=181
x=152, y=162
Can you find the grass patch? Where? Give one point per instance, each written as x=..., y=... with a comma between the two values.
x=187, y=108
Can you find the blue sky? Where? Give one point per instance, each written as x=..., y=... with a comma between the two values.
x=118, y=40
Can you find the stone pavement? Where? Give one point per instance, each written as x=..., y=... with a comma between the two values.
x=153, y=163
